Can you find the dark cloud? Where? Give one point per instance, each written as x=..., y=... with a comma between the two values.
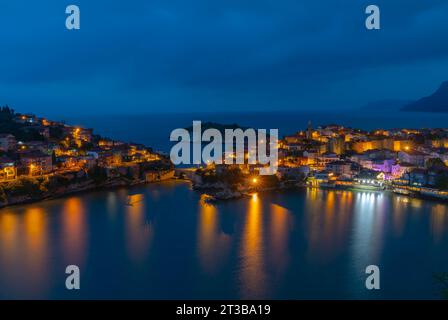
x=176, y=55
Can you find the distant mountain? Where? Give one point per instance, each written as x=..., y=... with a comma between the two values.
x=387, y=104
x=437, y=102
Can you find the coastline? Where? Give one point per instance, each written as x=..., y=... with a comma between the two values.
x=86, y=186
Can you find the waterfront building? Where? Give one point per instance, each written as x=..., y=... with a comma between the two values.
x=320, y=178
x=369, y=179
x=36, y=163
x=293, y=173
x=342, y=168
x=399, y=169
x=8, y=170
x=324, y=159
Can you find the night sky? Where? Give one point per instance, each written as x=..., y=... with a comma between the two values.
x=144, y=56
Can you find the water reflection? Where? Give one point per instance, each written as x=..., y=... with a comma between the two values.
x=24, y=255
x=278, y=237
x=398, y=212
x=8, y=235
x=438, y=221
x=267, y=246
x=328, y=221
x=74, y=227
x=368, y=227
x=36, y=237
x=213, y=244
x=138, y=230
x=253, y=275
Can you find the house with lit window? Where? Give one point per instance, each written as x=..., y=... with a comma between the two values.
x=326, y=158
x=36, y=163
x=8, y=170
x=25, y=118
x=78, y=134
x=399, y=169
x=369, y=180
x=343, y=168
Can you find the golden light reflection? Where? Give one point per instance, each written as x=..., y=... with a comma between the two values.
x=213, y=245
x=112, y=202
x=438, y=221
x=279, y=236
x=74, y=237
x=252, y=254
x=35, y=254
x=399, y=206
x=8, y=235
x=328, y=223
x=138, y=231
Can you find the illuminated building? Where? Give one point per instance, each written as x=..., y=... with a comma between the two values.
x=8, y=170
x=37, y=163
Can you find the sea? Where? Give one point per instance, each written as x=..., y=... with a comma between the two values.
x=159, y=241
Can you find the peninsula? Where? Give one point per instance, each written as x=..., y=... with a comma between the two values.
x=42, y=159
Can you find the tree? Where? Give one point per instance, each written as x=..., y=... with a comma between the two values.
x=98, y=174
x=53, y=158
x=56, y=133
x=442, y=182
x=435, y=163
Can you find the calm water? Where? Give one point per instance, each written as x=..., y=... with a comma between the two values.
x=296, y=244
x=301, y=244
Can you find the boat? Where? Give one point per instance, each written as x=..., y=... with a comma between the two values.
x=434, y=193
x=402, y=191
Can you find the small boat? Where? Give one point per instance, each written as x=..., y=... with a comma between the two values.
x=402, y=191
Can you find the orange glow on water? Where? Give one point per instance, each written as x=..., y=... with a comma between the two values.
x=279, y=231
x=252, y=253
x=138, y=230
x=438, y=221
x=75, y=230
x=36, y=236
x=8, y=234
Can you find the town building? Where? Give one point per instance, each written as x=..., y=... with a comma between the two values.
x=7, y=142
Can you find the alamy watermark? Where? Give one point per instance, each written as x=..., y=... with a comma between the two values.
x=373, y=280
x=260, y=149
x=73, y=280
x=73, y=20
